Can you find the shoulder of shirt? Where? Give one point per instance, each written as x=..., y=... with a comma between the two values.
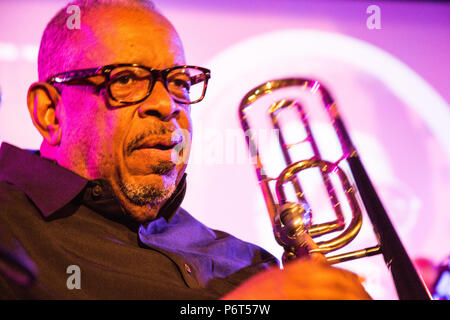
x=14, y=210
x=262, y=254
x=15, y=207
x=12, y=198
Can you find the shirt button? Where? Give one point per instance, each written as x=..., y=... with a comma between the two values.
x=187, y=268
x=97, y=190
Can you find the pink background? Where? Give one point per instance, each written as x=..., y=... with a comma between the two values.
x=391, y=86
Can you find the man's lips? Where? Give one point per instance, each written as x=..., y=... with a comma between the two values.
x=157, y=145
x=156, y=142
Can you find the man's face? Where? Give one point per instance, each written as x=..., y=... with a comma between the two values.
x=130, y=146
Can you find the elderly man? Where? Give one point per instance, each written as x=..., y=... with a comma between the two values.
x=95, y=214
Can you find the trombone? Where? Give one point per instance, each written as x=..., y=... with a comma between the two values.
x=292, y=222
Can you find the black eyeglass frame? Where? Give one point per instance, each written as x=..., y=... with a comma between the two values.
x=81, y=77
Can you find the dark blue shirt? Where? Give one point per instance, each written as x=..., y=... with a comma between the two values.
x=53, y=221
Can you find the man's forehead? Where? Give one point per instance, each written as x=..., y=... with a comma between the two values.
x=121, y=35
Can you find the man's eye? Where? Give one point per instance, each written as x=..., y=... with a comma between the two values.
x=182, y=84
x=124, y=80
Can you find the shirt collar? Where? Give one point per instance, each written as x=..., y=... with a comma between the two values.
x=98, y=196
x=51, y=187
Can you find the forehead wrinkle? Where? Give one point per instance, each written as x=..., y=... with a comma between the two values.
x=89, y=49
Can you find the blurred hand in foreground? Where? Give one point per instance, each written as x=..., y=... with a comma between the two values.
x=303, y=279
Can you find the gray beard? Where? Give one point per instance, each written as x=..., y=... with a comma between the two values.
x=144, y=195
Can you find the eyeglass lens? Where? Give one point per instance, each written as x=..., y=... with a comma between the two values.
x=130, y=84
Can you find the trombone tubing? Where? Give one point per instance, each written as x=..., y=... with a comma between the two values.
x=408, y=282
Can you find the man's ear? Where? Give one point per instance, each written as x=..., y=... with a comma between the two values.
x=43, y=100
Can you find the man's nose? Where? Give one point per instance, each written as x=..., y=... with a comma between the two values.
x=159, y=104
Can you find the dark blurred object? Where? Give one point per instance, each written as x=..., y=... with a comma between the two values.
x=441, y=287
x=15, y=264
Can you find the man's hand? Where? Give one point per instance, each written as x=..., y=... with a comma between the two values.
x=303, y=279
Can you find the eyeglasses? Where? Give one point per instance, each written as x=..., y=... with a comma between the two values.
x=132, y=83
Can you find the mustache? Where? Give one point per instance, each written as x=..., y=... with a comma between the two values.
x=160, y=130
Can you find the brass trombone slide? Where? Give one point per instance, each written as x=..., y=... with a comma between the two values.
x=292, y=222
